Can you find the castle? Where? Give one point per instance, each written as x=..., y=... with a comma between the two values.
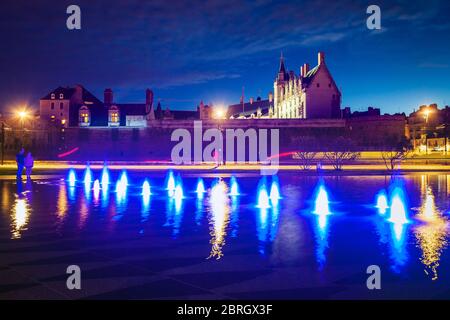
x=312, y=94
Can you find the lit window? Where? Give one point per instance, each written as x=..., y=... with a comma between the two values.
x=84, y=116
x=114, y=118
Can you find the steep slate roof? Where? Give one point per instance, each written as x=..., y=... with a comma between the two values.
x=69, y=91
x=236, y=109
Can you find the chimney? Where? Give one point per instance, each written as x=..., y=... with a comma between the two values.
x=270, y=96
x=78, y=94
x=108, y=96
x=149, y=97
x=320, y=58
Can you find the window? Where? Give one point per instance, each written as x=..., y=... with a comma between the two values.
x=84, y=119
x=318, y=85
x=113, y=119
x=329, y=85
x=61, y=96
x=61, y=106
x=53, y=106
x=52, y=96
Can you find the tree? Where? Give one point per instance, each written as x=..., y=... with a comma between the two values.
x=394, y=155
x=341, y=151
x=308, y=150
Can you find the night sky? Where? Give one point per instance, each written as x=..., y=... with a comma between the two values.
x=209, y=49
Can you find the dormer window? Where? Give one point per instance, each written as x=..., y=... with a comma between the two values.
x=52, y=96
x=84, y=119
x=61, y=96
x=113, y=117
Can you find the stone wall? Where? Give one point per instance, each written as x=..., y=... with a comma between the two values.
x=154, y=142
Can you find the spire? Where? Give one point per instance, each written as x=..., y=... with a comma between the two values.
x=282, y=67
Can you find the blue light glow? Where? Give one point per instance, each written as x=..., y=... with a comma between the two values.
x=96, y=189
x=275, y=193
x=200, y=188
x=170, y=182
x=382, y=202
x=72, y=178
x=146, y=192
x=398, y=210
x=263, y=197
x=321, y=204
x=105, y=178
x=124, y=178
x=234, y=187
x=87, y=176
x=121, y=188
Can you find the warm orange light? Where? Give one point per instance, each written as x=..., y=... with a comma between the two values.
x=219, y=113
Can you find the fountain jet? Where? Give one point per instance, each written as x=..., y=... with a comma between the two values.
x=263, y=198
x=72, y=178
x=234, y=187
x=321, y=206
x=274, y=193
x=200, y=188
x=398, y=210
x=105, y=178
x=382, y=203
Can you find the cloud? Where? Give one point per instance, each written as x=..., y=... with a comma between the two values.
x=432, y=65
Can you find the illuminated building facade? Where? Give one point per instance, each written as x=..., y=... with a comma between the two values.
x=311, y=95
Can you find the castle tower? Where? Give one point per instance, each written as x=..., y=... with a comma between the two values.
x=149, y=104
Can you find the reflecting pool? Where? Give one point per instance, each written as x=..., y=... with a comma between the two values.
x=235, y=235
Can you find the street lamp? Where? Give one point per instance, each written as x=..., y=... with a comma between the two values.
x=219, y=113
x=426, y=115
x=22, y=115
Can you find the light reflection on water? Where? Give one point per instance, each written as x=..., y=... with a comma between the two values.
x=407, y=236
x=218, y=216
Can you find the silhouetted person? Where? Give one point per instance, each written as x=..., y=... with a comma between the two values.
x=20, y=160
x=29, y=163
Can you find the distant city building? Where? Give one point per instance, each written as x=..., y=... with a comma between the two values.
x=77, y=107
x=429, y=129
x=371, y=112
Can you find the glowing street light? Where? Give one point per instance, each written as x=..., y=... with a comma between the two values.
x=219, y=113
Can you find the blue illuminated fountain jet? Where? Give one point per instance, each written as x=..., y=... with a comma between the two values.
x=146, y=192
x=234, y=187
x=321, y=204
x=72, y=178
x=382, y=202
x=398, y=210
x=263, y=197
x=170, y=184
x=105, y=178
x=121, y=187
x=96, y=189
x=87, y=176
x=275, y=193
x=200, y=188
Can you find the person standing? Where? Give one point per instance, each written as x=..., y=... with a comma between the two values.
x=29, y=163
x=20, y=160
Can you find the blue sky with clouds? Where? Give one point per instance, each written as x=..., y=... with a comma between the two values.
x=192, y=50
